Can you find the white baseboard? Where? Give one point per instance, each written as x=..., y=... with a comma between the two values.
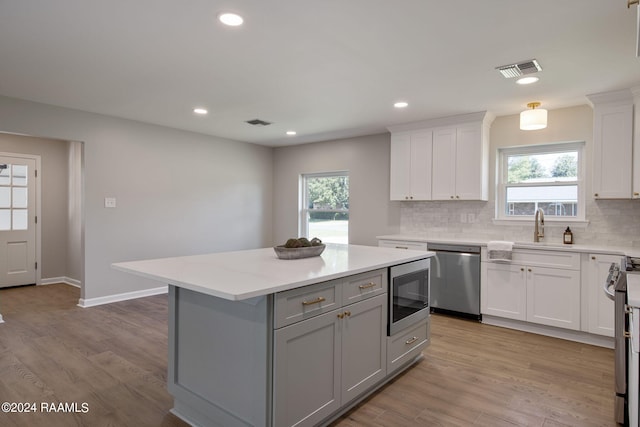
x=550, y=331
x=63, y=279
x=91, y=302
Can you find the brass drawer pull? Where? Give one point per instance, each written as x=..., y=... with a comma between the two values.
x=315, y=301
x=411, y=340
x=368, y=285
x=402, y=247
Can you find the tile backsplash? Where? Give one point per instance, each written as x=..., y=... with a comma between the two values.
x=610, y=223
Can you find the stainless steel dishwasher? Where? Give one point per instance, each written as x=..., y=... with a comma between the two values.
x=455, y=280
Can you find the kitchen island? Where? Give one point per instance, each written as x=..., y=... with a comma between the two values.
x=259, y=341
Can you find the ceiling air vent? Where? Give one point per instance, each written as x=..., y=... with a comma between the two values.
x=258, y=122
x=520, y=69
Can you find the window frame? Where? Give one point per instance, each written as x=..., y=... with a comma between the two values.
x=502, y=184
x=303, y=223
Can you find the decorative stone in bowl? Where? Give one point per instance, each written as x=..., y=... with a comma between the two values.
x=298, y=253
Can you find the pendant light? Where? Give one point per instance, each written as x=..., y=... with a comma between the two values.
x=533, y=119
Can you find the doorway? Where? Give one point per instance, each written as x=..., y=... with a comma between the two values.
x=19, y=211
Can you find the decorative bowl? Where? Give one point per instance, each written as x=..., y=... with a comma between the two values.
x=298, y=253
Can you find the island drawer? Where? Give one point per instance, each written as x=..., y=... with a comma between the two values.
x=406, y=345
x=303, y=303
x=362, y=286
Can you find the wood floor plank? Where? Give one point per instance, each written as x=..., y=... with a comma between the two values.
x=114, y=358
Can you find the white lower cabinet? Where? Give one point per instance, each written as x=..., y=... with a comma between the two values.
x=600, y=308
x=534, y=293
x=504, y=290
x=553, y=297
x=324, y=362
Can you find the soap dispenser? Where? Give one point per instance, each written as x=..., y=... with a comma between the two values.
x=568, y=236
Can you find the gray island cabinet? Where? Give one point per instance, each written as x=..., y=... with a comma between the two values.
x=258, y=341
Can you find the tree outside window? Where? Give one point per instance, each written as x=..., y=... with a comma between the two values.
x=542, y=176
x=325, y=207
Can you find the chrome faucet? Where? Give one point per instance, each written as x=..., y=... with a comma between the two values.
x=538, y=230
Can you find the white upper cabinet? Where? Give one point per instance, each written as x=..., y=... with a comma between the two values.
x=441, y=159
x=612, y=144
x=460, y=163
x=411, y=165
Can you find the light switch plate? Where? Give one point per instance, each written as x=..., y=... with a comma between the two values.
x=109, y=202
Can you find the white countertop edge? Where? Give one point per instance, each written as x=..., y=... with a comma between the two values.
x=143, y=268
x=613, y=250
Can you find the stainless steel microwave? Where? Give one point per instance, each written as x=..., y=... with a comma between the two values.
x=408, y=294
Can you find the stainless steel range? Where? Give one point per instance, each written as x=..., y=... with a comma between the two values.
x=616, y=288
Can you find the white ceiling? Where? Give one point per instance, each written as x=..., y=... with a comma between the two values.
x=327, y=68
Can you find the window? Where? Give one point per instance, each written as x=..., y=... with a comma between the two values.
x=13, y=197
x=325, y=207
x=549, y=177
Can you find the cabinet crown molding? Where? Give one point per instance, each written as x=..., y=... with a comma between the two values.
x=618, y=96
x=481, y=116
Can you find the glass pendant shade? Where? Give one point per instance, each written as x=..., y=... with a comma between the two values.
x=533, y=119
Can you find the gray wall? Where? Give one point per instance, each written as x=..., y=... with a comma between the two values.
x=177, y=192
x=55, y=197
x=367, y=160
x=75, y=219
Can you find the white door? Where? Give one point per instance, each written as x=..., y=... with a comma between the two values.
x=17, y=221
x=400, y=183
x=504, y=290
x=443, y=179
x=553, y=297
x=600, y=308
x=469, y=162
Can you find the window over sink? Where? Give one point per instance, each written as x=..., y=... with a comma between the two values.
x=324, y=206
x=550, y=177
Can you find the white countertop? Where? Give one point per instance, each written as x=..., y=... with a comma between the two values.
x=617, y=250
x=246, y=274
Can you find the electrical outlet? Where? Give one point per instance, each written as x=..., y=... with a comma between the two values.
x=109, y=202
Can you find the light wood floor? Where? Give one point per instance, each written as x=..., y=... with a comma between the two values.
x=114, y=358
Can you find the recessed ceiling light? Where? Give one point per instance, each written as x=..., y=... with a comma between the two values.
x=291, y=132
x=527, y=80
x=401, y=104
x=231, y=19
x=201, y=111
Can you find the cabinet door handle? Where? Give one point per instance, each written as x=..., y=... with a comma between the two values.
x=595, y=195
x=593, y=257
x=411, y=340
x=340, y=315
x=367, y=286
x=347, y=313
x=521, y=268
x=636, y=193
x=528, y=269
x=315, y=301
x=457, y=197
x=402, y=247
